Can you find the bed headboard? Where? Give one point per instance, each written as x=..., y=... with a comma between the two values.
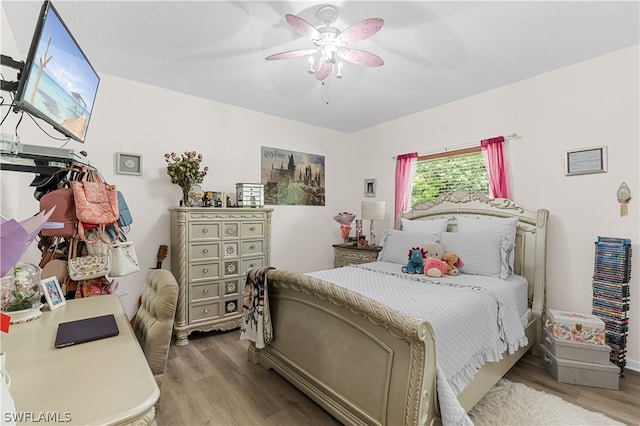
x=530, y=256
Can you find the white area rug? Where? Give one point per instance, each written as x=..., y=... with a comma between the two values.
x=511, y=403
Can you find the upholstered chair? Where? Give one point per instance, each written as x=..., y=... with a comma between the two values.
x=153, y=324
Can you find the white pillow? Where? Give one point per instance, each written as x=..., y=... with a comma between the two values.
x=505, y=227
x=429, y=226
x=479, y=252
x=396, y=244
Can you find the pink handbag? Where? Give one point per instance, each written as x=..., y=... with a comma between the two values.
x=96, y=203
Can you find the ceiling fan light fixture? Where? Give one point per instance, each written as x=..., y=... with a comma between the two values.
x=332, y=44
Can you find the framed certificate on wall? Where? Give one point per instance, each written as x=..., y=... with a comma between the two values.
x=586, y=161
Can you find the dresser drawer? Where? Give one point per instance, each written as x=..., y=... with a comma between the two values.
x=231, y=307
x=204, y=231
x=204, y=291
x=247, y=264
x=204, y=271
x=230, y=249
x=231, y=230
x=253, y=247
x=252, y=229
x=230, y=267
x=232, y=286
x=204, y=311
x=204, y=251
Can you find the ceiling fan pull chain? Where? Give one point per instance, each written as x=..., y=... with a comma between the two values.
x=325, y=84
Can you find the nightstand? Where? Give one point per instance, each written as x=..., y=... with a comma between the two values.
x=346, y=254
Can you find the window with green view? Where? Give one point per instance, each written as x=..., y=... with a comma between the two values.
x=438, y=174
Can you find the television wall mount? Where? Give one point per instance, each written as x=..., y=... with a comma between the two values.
x=10, y=86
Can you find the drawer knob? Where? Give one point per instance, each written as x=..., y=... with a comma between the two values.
x=205, y=250
x=205, y=291
x=252, y=265
x=205, y=311
x=205, y=230
x=253, y=228
x=252, y=247
x=205, y=270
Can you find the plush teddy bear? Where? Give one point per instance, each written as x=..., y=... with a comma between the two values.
x=453, y=263
x=433, y=265
x=414, y=266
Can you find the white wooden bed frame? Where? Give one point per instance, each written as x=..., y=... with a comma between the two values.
x=367, y=364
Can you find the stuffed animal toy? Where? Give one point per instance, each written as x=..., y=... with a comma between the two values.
x=453, y=263
x=433, y=265
x=414, y=266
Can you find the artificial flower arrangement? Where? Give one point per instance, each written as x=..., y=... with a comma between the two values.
x=184, y=171
x=345, y=219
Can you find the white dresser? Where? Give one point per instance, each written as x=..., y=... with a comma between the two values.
x=211, y=251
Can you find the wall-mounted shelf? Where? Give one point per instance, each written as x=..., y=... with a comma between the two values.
x=38, y=159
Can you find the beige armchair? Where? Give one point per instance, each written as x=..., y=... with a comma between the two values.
x=153, y=324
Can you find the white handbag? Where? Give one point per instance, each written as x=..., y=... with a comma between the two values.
x=124, y=260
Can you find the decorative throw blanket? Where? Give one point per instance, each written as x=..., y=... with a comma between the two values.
x=256, y=320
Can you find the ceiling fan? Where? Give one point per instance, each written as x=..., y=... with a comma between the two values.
x=331, y=44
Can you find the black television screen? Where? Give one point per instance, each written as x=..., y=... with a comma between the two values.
x=58, y=84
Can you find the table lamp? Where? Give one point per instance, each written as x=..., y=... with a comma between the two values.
x=373, y=210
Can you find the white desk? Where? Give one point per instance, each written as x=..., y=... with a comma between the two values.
x=103, y=382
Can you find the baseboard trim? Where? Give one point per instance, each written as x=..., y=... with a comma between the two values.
x=633, y=364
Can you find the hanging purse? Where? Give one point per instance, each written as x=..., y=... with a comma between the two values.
x=94, y=287
x=87, y=267
x=96, y=203
x=124, y=260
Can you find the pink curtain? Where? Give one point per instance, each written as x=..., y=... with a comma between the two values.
x=494, y=163
x=404, y=165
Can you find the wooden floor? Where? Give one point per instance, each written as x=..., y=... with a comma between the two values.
x=210, y=382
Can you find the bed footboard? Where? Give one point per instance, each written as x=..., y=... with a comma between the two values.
x=321, y=335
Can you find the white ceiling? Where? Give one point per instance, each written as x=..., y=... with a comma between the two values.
x=435, y=52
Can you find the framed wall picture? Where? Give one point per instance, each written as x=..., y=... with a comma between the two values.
x=369, y=187
x=53, y=292
x=585, y=161
x=128, y=164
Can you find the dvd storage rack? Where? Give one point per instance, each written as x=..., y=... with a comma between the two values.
x=611, y=275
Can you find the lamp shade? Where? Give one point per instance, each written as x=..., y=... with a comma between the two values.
x=373, y=210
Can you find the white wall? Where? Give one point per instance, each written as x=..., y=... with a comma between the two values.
x=137, y=118
x=588, y=104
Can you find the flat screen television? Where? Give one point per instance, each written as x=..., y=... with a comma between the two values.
x=58, y=83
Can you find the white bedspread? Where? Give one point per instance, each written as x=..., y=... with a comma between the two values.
x=475, y=319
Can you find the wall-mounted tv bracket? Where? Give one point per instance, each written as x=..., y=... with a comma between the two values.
x=10, y=86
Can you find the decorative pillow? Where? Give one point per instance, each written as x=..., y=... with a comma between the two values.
x=429, y=226
x=396, y=244
x=479, y=251
x=506, y=227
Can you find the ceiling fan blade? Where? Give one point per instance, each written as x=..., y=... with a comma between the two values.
x=290, y=54
x=360, y=57
x=324, y=71
x=361, y=30
x=303, y=27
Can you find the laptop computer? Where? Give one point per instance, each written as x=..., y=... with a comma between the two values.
x=86, y=330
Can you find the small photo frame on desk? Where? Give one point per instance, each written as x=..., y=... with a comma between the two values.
x=128, y=164
x=53, y=292
x=586, y=161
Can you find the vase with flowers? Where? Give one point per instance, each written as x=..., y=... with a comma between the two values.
x=345, y=219
x=184, y=170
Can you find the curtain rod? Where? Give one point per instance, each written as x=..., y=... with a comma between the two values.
x=509, y=137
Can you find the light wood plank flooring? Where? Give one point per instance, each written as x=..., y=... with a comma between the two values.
x=210, y=382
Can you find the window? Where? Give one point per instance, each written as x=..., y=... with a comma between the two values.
x=440, y=173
